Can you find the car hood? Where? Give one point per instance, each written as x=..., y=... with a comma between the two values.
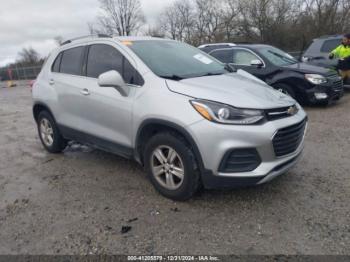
x=308, y=69
x=236, y=89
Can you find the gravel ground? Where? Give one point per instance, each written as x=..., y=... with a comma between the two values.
x=78, y=202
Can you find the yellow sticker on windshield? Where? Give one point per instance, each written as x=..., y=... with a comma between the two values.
x=127, y=43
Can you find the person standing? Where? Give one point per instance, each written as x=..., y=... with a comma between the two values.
x=342, y=52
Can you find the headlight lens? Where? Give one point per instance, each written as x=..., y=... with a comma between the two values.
x=316, y=79
x=224, y=114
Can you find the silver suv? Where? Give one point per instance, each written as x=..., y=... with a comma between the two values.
x=190, y=120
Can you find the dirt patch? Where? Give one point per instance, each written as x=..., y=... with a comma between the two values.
x=87, y=201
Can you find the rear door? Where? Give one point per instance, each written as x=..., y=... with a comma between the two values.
x=67, y=79
x=241, y=58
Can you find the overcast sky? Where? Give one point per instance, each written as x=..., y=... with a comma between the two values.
x=25, y=23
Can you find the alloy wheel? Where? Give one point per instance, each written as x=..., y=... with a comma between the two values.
x=46, y=132
x=167, y=167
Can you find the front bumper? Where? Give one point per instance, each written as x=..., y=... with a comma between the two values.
x=215, y=140
x=332, y=91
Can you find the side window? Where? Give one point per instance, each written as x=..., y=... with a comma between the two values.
x=103, y=58
x=330, y=45
x=56, y=65
x=72, y=61
x=224, y=55
x=243, y=57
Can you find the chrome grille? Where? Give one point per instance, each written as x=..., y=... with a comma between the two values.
x=278, y=113
x=336, y=81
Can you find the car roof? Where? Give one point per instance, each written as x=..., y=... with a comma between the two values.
x=139, y=38
x=327, y=37
x=253, y=45
x=84, y=39
x=249, y=46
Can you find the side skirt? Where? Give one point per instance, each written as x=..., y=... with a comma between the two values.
x=96, y=142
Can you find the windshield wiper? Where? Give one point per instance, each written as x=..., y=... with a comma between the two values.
x=210, y=74
x=230, y=68
x=172, y=77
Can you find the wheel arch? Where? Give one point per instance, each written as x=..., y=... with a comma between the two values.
x=295, y=82
x=150, y=127
x=39, y=107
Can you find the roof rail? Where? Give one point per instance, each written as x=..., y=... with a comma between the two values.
x=85, y=36
x=214, y=44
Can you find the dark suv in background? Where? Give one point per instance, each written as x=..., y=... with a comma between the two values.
x=305, y=82
x=318, y=52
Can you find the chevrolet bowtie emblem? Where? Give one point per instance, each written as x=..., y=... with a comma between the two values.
x=292, y=110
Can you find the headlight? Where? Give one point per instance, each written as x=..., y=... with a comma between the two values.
x=316, y=79
x=224, y=114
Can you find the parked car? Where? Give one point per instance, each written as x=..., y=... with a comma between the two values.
x=210, y=47
x=318, y=52
x=304, y=82
x=186, y=117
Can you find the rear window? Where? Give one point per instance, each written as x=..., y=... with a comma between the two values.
x=329, y=45
x=72, y=61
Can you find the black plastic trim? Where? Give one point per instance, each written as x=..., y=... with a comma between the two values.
x=179, y=129
x=253, y=160
x=96, y=142
x=211, y=181
x=42, y=105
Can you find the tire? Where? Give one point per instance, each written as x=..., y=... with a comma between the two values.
x=285, y=89
x=49, y=134
x=175, y=188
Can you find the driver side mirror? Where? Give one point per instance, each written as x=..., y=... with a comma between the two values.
x=258, y=63
x=114, y=79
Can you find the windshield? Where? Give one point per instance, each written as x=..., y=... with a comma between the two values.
x=175, y=60
x=277, y=56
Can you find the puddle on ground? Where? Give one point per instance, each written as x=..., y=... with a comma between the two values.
x=77, y=147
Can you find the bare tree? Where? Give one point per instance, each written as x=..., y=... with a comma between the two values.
x=328, y=16
x=177, y=20
x=119, y=17
x=209, y=20
x=155, y=31
x=28, y=57
x=230, y=19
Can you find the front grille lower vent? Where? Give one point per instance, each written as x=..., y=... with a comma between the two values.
x=287, y=140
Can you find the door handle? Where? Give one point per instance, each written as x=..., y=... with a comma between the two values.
x=51, y=82
x=85, y=92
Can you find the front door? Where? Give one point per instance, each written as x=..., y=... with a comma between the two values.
x=108, y=113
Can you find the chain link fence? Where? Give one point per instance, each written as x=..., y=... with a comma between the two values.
x=19, y=73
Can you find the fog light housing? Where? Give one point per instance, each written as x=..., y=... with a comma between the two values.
x=240, y=160
x=320, y=96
